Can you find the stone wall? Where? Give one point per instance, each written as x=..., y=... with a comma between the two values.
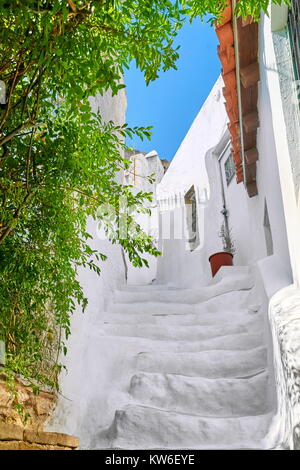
x=16, y=433
x=39, y=406
x=14, y=437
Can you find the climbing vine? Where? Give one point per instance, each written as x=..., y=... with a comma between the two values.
x=59, y=161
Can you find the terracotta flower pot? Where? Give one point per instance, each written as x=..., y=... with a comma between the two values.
x=217, y=260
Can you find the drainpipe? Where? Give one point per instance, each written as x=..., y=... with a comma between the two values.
x=224, y=211
x=125, y=264
x=237, y=69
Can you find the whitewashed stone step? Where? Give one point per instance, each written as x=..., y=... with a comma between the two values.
x=241, y=341
x=187, y=296
x=230, y=301
x=232, y=272
x=233, y=301
x=220, y=318
x=224, y=271
x=142, y=427
x=209, y=364
x=145, y=287
x=142, y=308
x=238, y=342
x=201, y=396
x=179, y=332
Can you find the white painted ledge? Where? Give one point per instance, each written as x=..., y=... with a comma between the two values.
x=274, y=274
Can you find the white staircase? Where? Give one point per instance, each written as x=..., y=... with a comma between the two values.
x=198, y=376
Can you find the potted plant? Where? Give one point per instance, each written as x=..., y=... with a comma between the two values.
x=225, y=257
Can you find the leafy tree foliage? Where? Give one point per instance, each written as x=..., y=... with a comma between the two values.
x=58, y=160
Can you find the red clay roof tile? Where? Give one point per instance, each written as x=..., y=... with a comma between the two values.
x=248, y=51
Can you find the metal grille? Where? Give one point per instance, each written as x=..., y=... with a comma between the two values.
x=191, y=205
x=294, y=35
x=229, y=169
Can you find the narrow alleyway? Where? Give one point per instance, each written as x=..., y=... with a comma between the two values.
x=198, y=375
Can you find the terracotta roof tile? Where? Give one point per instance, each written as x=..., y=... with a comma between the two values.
x=251, y=121
x=225, y=35
x=226, y=15
x=251, y=155
x=249, y=74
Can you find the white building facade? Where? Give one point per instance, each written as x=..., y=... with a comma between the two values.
x=213, y=179
x=265, y=226
x=92, y=361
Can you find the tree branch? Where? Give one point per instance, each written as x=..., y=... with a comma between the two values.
x=16, y=216
x=28, y=160
x=10, y=96
x=13, y=133
x=75, y=190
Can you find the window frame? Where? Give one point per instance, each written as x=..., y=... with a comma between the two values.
x=190, y=199
x=229, y=177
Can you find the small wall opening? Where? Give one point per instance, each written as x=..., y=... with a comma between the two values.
x=229, y=169
x=268, y=232
x=191, y=218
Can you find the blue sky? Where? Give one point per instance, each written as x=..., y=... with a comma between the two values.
x=171, y=103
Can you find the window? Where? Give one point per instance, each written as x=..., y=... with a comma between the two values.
x=268, y=233
x=294, y=35
x=191, y=211
x=229, y=169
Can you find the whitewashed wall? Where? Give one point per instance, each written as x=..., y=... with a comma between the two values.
x=196, y=162
x=85, y=404
x=143, y=166
x=278, y=143
x=180, y=266
x=285, y=122
x=91, y=368
x=84, y=386
x=284, y=307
